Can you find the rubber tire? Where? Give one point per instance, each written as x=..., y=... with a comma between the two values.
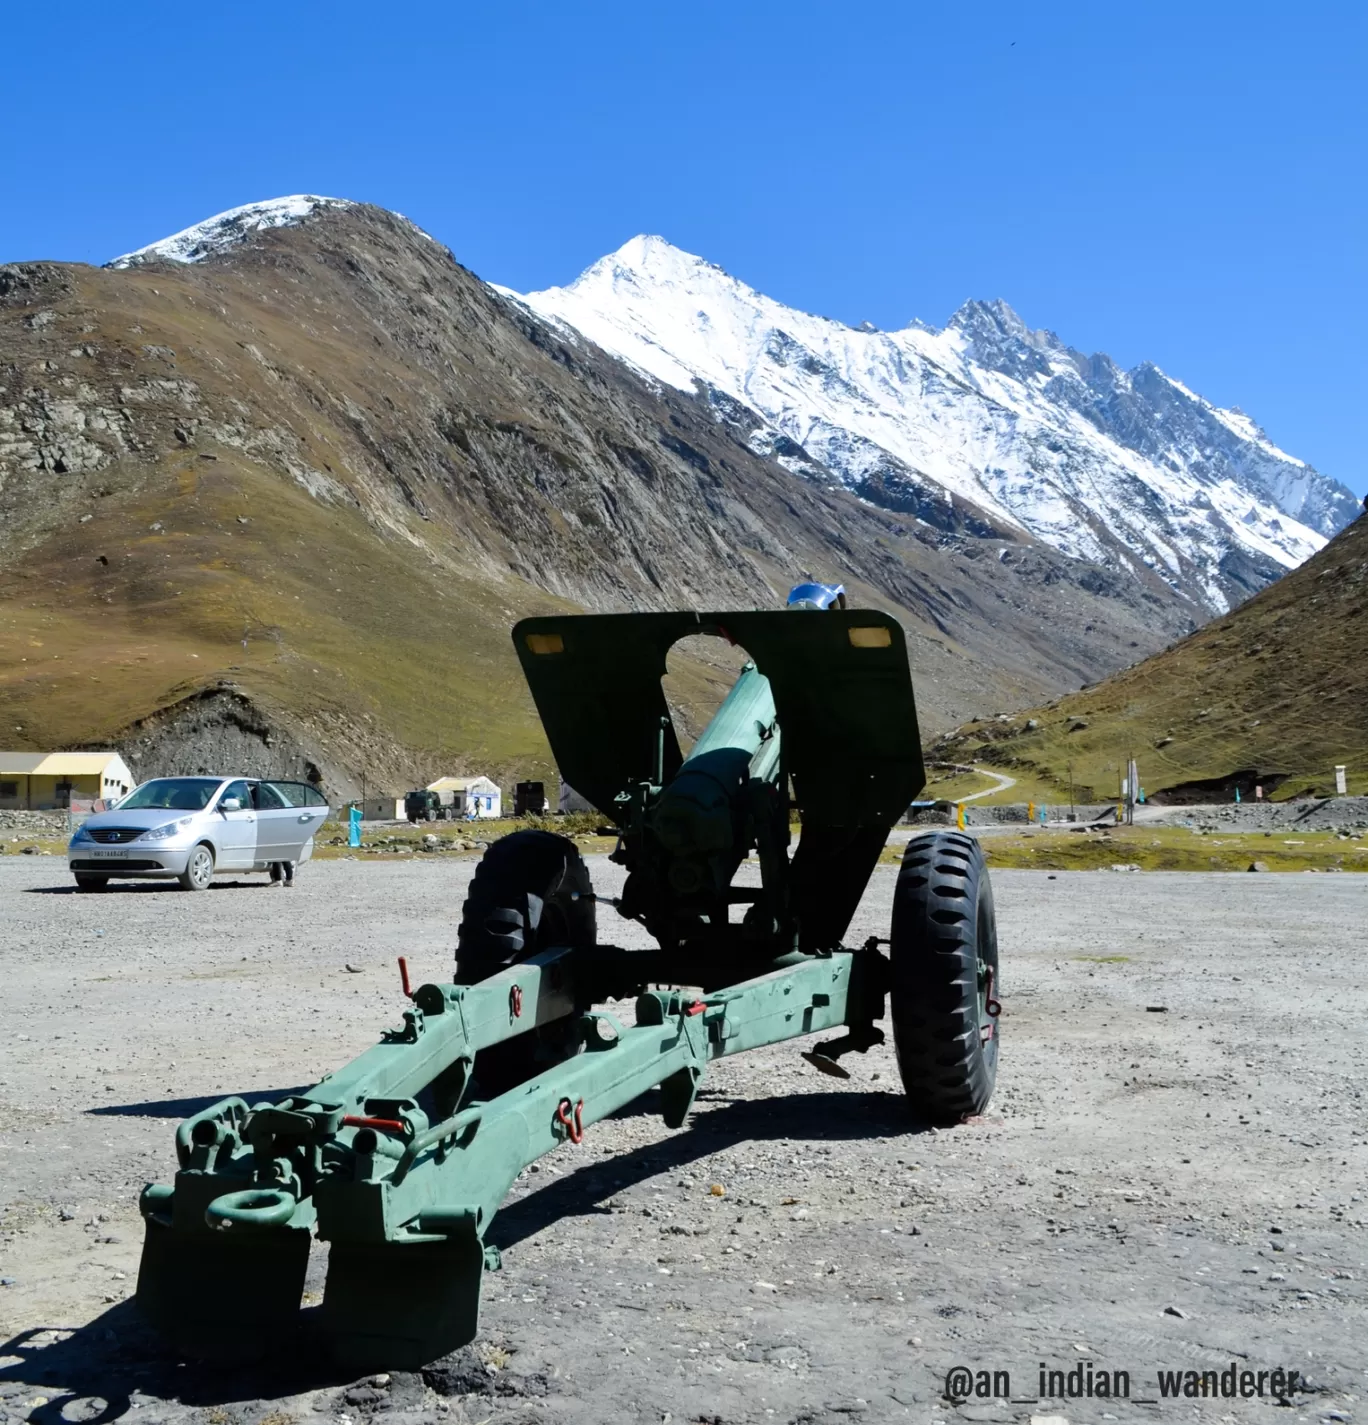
x=187, y=878
x=85, y=881
x=519, y=903
x=944, y=925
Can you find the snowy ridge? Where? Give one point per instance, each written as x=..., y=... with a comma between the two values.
x=227, y=230
x=1127, y=468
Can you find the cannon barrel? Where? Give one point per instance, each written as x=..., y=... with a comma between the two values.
x=699, y=819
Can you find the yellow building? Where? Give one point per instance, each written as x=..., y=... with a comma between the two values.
x=45, y=781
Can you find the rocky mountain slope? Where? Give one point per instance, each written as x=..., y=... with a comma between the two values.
x=1126, y=468
x=1275, y=695
x=277, y=487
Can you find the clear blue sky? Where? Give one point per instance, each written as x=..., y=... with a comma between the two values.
x=1183, y=182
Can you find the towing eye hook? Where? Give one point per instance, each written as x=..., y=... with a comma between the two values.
x=251, y=1207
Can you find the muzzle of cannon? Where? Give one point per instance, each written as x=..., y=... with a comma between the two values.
x=400, y=1159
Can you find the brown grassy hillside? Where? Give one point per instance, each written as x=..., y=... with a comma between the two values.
x=1276, y=693
x=327, y=470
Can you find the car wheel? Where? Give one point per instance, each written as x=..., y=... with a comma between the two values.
x=199, y=869
x=90, y=883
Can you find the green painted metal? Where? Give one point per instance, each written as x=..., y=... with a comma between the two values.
x=693, y=814
x=848, y=747
x=405, y=1209
x=393, y=1162
x=695, y=823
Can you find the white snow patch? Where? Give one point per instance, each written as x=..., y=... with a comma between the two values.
x=1236, y=422
x=1002, y=416
x=226, y=230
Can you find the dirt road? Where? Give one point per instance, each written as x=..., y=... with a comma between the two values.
x=1001, y=779
x=1171, y=1177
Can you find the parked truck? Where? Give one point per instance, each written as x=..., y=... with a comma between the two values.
x=422, y=805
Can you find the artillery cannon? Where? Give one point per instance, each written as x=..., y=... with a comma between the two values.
x=400, y=1159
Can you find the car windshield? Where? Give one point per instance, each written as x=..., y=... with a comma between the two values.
x=172, y=794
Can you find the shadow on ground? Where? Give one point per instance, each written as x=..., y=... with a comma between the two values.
x=185, y=1107
x=96, y=1372
x=804, y=1117
x=92, y=1373
x=143, y=888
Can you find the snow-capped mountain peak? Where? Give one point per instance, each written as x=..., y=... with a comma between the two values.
x=1127, y=468
x=227, y=230
x=994, y=315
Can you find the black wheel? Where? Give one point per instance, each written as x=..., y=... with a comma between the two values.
x=523, y=899
x=944, y=986
x=86, y=882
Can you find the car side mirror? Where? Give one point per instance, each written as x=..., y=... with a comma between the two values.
x=230, y=804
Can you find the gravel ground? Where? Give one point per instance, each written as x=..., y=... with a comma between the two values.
x=1171, y=1176
x=1319, y=814
x=1307, y=814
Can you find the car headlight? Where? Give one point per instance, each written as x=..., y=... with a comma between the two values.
x=81, y=835
x=164, y=833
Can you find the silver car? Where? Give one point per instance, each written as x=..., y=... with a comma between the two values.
x=191, y=828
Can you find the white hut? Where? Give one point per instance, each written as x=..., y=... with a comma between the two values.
x=474, y=797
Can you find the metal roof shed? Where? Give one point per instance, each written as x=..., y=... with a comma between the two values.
x=46, y=781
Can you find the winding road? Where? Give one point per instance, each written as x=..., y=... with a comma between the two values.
x=1002, y=780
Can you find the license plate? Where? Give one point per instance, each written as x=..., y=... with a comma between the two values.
x=111, y=854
